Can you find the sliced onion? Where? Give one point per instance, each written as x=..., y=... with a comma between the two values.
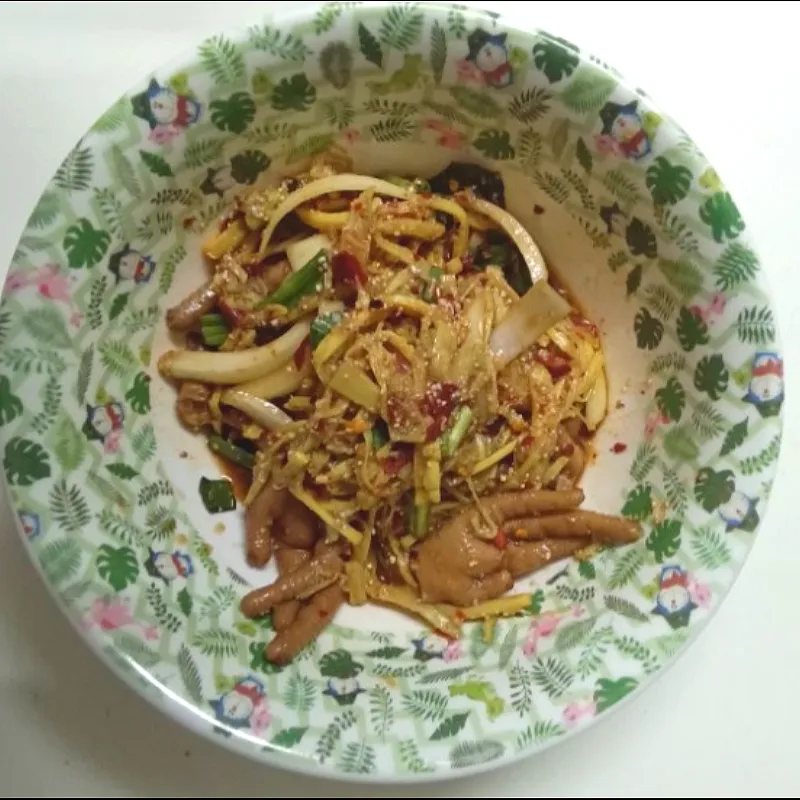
x=597, y=402
x=521, y=238
x=468, y=356
x=300, y=253
x=346, y=182
x=266, y=414
x=278, y=383
x=237, y=366
x=526, y=320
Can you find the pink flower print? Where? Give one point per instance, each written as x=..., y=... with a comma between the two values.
x=351, y=135
x=76, y=319
x=448, y=136
x=468, y=72
x=453, y=651
x=700, y=594
x=111, y=444
x=162, y=134
x=545, y=626
x=606, y=145
x=16, y=282
x=577, y=711
x=260, y=718
x=715, y=307
x=653, y=422
x=110, y=613
x=717, y=304
x=53, y=284
x=49, y=281
x=150, y=632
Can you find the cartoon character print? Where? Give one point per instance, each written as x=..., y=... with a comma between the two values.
x=430, y=646
x=128, y=264
x=488, y=53
x=51, y=282
x=615, y=219
x=104, y=423
x=244, y=169
x=739, y=512
x=244, y=705
x=112, y=613
x=168, y=566
x=625, y=132
x=31, y=524
x=638, y=235
x=217, y=181
x=341, y=671
x=765, y=390
x=343, y=690
x=165, y=111
x=678, y=595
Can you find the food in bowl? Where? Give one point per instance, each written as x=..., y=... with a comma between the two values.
x=412, y=391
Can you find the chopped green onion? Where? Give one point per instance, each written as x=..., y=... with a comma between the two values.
x=419, y=520
x=456, y=431
x=214, y=329
x=323, y=325
x=231, y=452
x=434, y=276
x=379, y=435
x=298, y=284
x=217, y=495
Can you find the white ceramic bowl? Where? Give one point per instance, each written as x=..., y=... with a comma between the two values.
x=624, y=207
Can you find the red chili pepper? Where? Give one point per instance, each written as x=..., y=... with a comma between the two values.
x=619, y=447
x=347, y=269
x=556, y=364
x=500, y=540
x=396, y=460
x=438, y=405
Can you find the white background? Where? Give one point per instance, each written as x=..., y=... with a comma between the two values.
x=724, y=720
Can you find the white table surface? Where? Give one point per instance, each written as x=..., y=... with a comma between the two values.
x=724, y=720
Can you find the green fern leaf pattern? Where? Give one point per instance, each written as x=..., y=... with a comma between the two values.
x=402, y=26
x=75, y=172
x=222, y=59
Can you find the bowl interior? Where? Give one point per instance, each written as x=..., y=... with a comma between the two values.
x=626, y=211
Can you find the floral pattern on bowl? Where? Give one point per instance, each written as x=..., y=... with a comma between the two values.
x=690, y=451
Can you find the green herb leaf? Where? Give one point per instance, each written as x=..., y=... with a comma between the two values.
x=323, y=325
x=217, y=495
x=231, y=452
x=379, y=435
x=300, y=283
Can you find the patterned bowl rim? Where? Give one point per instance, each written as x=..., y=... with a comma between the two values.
x=178, y=711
